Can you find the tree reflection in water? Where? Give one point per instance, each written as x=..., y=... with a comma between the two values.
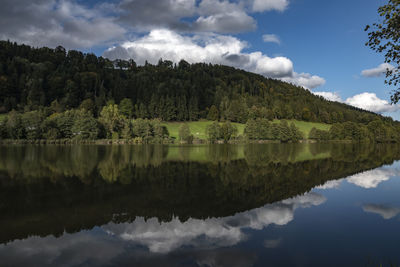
x=186, y=192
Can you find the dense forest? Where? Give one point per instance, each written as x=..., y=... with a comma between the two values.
x=54, y=93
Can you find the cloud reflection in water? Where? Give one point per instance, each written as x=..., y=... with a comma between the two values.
x=387, y=212
x=213, y=232
x=102, y=245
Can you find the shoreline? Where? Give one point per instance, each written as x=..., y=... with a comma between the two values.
x=164, y=142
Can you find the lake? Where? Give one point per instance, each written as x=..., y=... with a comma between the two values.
x=205, y=205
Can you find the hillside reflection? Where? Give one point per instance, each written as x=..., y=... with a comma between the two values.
x=211, y=191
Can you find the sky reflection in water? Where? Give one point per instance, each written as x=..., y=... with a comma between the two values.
x=355, y=217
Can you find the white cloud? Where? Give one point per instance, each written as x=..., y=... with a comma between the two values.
x=271, y=38
x=378, y=71
x=331, y=96
x=265, y=5
x=386, y=212
x=213, y=48
x=305, y=79
x=369, y=101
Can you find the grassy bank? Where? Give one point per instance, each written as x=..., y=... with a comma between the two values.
x=198, y=128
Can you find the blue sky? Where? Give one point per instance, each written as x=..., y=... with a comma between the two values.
x=316, y=44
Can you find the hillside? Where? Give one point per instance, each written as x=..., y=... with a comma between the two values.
x=51, y=94
x=35, y=77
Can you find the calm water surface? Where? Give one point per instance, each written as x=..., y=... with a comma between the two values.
x=217, y=205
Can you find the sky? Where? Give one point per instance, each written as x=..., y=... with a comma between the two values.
x=319, y=45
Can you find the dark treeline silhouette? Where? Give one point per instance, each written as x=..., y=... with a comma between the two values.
x=56, y=80
x=52, y=189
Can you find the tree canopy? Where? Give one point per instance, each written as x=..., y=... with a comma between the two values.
x=33, y=78
x=384, y=37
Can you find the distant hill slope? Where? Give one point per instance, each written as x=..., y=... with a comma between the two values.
x=34, y=77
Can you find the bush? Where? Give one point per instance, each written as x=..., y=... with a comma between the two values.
x=185, y=134
x=213, y=132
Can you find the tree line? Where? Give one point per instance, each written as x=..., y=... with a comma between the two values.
x=80, y=124
x=262, y=129
x=375, y=131
x=33, y=78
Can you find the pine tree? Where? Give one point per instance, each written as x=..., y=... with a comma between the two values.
x=213, y=114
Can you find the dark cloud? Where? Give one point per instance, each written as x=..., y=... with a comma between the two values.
x=52, y=23
x=144, y=15
x=73, y=25
x=237, y=59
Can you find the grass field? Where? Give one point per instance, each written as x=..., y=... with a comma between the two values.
x=198, y=128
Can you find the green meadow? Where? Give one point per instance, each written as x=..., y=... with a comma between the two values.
x=198, y=128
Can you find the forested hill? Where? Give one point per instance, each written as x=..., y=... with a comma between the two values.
x=31, y=78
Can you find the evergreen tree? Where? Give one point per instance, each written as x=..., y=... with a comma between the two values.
x=213, y=114
x=126, y=108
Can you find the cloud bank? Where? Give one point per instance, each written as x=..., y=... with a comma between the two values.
x=367, y=101
x=209, y=48
x=74, y=25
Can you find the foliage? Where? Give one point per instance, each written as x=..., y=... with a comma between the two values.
x=213, y=132
x=14, y=126
x=262, y=129
x=227, y=131
x=384, y=38
x=34, y=78
x=316, y=134
x=85, y=126
x=184, y=133
x=213, y=113
x=126, y=108
x=375, y=131
x=88, y=105
x=111, y=119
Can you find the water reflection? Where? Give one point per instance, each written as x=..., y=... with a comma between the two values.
x=371, y=179
x=212, y=232
x=157, y=237
x=91, y=205
x=387, y=212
